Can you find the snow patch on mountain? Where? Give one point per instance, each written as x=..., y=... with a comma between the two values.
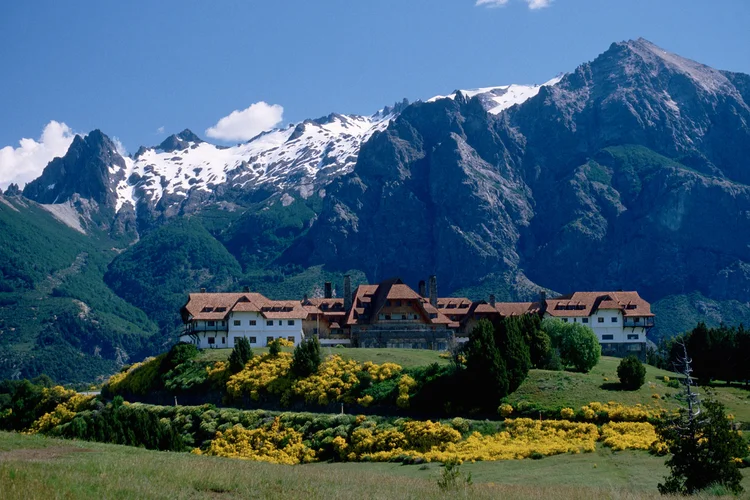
x=294, y=157
x=497, y=99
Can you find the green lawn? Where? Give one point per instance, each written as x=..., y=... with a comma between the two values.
x=407, y=358
x=551, y=388
x=38, y=467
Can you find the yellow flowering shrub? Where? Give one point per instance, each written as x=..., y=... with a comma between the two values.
x=262, y=373
x=521, y=438
x=285, y=342
x=426, y=435
x=137, y=379
x=381, y=372
x=567, y=413
x=365, y=400
x=629, y=435
x=218, y=373
x=621, y=413
x=365, y=442
x=405, y=384
x=334, y=380
x=275, y=444
x=505, y=410
x=340, y=445
x=63, y=412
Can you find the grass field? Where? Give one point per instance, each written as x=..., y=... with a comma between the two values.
x=407, y=358
x=551, y=388
x=37, y=467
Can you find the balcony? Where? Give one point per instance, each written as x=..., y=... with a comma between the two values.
x=647, y=322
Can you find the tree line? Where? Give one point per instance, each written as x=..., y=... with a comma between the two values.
x=718, y=353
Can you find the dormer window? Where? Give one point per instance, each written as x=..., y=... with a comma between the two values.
x=207, y=309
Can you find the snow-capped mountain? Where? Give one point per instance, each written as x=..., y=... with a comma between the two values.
x=186, y=171
x=298, y=157
x=497, y=99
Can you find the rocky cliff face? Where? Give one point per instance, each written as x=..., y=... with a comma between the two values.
x=629, y=173
x=84, y=170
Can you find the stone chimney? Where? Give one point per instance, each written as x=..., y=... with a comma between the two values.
x=304, y=298
x=492, y=299
x=433, y=291
x=422, y=289
x=328, y=293
x=203, y=290
x=542, y=301
x=245, y=289
x=347, y=292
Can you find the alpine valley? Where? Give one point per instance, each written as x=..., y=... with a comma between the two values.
x=630, y=172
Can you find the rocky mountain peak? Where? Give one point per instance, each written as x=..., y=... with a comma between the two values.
x=178, y=142
x=84, y=170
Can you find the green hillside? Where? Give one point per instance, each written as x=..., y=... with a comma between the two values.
x=57, y=316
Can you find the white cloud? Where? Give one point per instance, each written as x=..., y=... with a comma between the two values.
x=120, y=147
x=533, y=4
x=26, y=162
x=246, y=124
x=160, y=130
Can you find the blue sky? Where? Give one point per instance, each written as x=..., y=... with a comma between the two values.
x=139, y=70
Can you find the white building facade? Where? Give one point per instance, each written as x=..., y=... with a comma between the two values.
x=217, y=320
x=620, y=320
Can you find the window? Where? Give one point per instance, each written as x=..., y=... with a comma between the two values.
x=387, y=316
x=614, y=319
x=290, y=322
x=575, y=320
x=634, y=347
x=211, y=340
x=280, y=322
x=608, y=337
x=600, y=320
x=269, y=322
x=565, y=320
x=253, y=340
x=636, y=320
x=388, y=303
x=237, y=322
x=584, y=320
x=290, y=339
x=269, y=340
x=632, y=336
x=252, y=322
x=315, y=331
x=398, y=303
x=223, y=340
x=403, y=316
x=212, y=323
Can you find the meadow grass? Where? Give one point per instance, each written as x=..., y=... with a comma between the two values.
x=39, y=467
x=563, y=388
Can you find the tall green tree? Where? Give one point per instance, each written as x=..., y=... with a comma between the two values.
x=241, y=354
x=306, y=359
x=704, y=447
x=514, y=350
x=485, y=368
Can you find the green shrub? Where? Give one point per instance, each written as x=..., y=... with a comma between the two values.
x=632, y=373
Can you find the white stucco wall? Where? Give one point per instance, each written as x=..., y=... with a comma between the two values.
x=240, y=324
x=616, y=328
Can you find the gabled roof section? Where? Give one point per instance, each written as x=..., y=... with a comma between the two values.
x=582, y=304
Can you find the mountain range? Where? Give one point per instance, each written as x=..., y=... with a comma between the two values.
x=630, y=172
